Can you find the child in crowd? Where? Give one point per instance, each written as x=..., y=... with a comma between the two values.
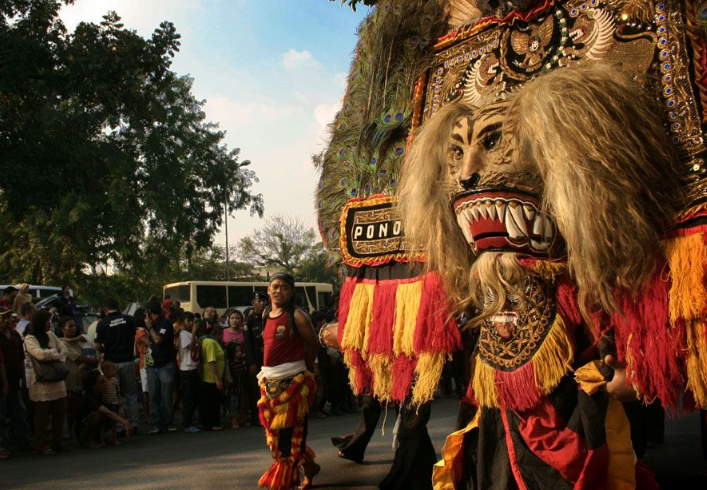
x=142, y=350
x=92, y=416
x=237, y=388
x=111, y=394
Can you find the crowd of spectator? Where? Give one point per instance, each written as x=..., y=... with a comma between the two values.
x=128, y=373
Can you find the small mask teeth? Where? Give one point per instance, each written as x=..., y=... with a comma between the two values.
x=513, y=229
x=490, y=209
x=517, y=213
x=483, y=211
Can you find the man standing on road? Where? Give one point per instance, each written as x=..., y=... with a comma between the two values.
x=11, y=399
x=286, y=380
x=253, y=334
x=115, y=337
x=161, y=370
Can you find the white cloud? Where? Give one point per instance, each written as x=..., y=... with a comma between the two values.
x=233, y=114
x=295, y=60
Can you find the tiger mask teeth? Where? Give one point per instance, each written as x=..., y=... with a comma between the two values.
x=504, y=220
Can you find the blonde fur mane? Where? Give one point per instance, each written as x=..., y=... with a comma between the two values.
x=610, y=182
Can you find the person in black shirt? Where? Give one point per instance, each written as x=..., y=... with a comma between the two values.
x=115, y=337
x=92, y=417
x=161, y=370
x=68, y=303
x=253, y=334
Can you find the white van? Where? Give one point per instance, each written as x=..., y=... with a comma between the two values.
x=37, y=291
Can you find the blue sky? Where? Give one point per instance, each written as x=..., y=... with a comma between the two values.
x=272, y=73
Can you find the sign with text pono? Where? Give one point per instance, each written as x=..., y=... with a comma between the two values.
x=372, y=233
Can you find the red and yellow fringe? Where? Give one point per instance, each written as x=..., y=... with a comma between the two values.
x=523, y=388
x=395, y=333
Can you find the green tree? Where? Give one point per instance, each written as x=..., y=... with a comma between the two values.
x=107, y=155
x=285, y=244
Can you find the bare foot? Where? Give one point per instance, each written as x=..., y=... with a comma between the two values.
x=94, y=445
x=115, y=442
x=311, y=469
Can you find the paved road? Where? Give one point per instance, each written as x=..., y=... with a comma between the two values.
x=235, y=459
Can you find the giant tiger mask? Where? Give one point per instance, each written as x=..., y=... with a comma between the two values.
x=555, y=182
x=551, y=212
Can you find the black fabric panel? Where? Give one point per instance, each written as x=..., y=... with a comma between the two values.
x=415, y=456
x=564, y=398
x=486, y=463
x=536, y=474
x=394, y=270
x=588, y=419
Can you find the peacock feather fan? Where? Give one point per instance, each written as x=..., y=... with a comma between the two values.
x=368, y=135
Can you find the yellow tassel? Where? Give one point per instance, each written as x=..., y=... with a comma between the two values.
x=554, y=357
x=279, y=421
x=352, y=372
x=407, y=305
x=687, y=257
x=381, y=369
x=549, y=270
x=485, y=384
x=428, y=371
x=359, y=319
x=302, y=408
x=697, y=361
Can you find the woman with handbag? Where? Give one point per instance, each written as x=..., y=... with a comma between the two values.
x=47, y=355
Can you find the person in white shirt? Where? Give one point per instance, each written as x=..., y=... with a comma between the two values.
x=27, y=310
x=187, y=349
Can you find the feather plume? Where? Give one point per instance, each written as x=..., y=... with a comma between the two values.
x=367, y=145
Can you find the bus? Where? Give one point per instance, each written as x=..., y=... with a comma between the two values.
x=194, y=296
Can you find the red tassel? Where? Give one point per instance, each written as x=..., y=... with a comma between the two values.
x=567, y=302
x=435, y=330
x=362, y=376
x=403, y=372
x=644, y=335
x=380, y=337
x=517, y=389
x=345, y=296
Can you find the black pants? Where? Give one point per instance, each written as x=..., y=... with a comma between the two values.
x=354, y=445
x=415, y=456
x=210, y=406
x=190, y=395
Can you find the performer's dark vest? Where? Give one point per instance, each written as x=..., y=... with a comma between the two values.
x=283, y=342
